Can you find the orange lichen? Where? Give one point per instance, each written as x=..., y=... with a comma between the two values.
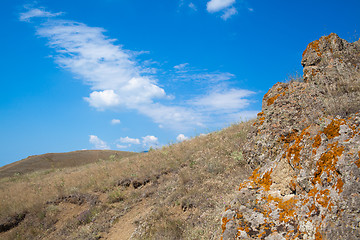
x=287, y=208
x=318, y=235
x=271, y=100
x=323, y=198
x=256, y=180
x=317, y=141
x=315, y=46
x=265, y=181
x=332, y=130
x=261, y=120
x=294, y=150
x=358, y=161
x=339, y=185
x=327, y=162
x=292, y=185
x=224, y=222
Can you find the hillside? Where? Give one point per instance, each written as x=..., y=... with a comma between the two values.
x=58, y=160
x=293, y=173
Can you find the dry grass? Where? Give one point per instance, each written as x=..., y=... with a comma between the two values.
x=345, y=99
x=51, y=161
x=187, y=185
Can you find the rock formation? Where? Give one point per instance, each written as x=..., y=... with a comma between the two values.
x=305, y=150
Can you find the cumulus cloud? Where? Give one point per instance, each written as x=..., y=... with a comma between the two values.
x=218, y=5
x=150, y=141
x=115, y=121
x=97, y=142
x=129, y=140
x=103, y=99
x=181, y=137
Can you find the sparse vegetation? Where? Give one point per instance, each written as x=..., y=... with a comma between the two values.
x=179, y=190
x=296, y=77
x=345, y=97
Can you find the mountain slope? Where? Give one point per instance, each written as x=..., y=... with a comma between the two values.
x=58, y=160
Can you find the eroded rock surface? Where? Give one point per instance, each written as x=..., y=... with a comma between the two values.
x=305, y=154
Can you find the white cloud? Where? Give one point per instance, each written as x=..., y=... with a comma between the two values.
x=218, y=5
x=122, y=146
x=129, y=140
x=207, y=78
x=228, y=13
x=150, y=141
x=115, y=121
x=98, y=143
x=37, y=12
x=192, y=6
x=224, y=100
x=181, y=137
x=115, y=78
x=103, y=99
x=181, y=66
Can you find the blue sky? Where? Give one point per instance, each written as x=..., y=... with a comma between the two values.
x=131, y=74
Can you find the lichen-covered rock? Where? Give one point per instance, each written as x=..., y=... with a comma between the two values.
x=306, y=158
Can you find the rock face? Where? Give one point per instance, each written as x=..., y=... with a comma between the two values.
x=305, y=152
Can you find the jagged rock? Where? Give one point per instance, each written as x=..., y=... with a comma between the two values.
x=306, y=157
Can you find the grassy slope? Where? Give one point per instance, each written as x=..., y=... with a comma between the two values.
x=58, y=160
x=187, y=186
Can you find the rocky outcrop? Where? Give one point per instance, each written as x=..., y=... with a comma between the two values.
x=305, y=152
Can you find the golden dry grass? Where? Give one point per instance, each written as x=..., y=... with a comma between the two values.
x=187, y=187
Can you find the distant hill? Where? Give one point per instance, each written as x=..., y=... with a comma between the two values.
x=58, y=160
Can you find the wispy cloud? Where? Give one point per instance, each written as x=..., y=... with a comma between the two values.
x=192, y=6
x=228, y=13
x=226, y=6
x=129, y=140
x=36, y=12
x=204, y=77
x=112, y=72
x=181, y=66
x=97, y=142
x=119, y=146
x=224, y=100
x=118, y=80
x=115, y=121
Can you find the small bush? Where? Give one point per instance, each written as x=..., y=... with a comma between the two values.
x=116, y=196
